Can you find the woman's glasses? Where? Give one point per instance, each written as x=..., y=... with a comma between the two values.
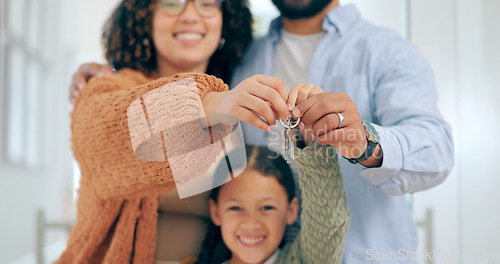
x=206, y=8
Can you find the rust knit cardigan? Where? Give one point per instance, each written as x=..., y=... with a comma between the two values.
x=119, y=193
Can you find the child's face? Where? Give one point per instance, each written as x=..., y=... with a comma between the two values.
x=253, y=212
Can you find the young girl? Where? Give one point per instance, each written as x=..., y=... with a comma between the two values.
x=251, y=212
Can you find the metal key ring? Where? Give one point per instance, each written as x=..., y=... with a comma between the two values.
x=291, y=125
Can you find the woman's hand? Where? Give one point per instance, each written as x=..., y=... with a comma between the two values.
x=255, y=97
x=83, y=74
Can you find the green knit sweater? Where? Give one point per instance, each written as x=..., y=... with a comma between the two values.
x=325, y=216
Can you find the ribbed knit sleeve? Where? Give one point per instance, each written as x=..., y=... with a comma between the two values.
x=325, y=216
x=103, y=140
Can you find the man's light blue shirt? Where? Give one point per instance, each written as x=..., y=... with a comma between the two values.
x=393, y=87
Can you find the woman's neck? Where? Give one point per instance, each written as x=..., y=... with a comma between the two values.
x=165, y=69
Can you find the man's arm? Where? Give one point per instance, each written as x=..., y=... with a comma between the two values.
x=415, y=150
x=416, y=141
x=83, y=75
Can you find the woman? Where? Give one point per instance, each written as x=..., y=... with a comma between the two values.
x=123, y=199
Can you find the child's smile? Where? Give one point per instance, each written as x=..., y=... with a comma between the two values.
x=253, y=212
x=251, y=241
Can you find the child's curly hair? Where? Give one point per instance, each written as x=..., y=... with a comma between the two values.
x=128, y=43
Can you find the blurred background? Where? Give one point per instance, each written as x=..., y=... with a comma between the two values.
x=42, y=43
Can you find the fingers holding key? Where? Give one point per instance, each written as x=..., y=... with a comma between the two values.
x=320, y=105
x=274, y=91
x=255, y=97
x=259, y=106
x=269, y=91
x=334, y=120
x=301, y=92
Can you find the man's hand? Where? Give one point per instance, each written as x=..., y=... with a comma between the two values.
x=256, y=96
x=298, y=94
x=319, y=113
x=83, y=74
x=301, y=92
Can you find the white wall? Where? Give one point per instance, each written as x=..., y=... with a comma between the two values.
x=433, y=31
x=91, y=15
x=387, y=13
x=72, y=36
x=478, y=61
x=27, y=187
x=263, y=13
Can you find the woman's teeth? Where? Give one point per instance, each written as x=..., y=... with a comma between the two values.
x=189, y=36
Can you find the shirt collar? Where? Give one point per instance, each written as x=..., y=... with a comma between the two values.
x=275, y=29
x=338, y=19
x=273, y=258
x=341, y=18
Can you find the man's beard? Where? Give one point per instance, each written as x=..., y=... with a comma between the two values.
x=294, y=9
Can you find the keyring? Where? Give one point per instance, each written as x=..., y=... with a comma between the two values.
x=290, y=126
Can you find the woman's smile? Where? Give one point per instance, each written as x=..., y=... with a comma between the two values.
x=188, y=38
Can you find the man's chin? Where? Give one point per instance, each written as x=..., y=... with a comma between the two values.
x=297, y=9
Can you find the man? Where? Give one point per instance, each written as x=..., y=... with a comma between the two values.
x=367, y=74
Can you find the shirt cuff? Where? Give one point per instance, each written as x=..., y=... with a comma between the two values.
x=393, y=158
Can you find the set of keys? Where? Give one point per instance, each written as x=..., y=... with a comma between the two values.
x=290, y=137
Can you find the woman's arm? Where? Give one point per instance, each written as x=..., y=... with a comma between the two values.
x=325, y=216
x=103, y=137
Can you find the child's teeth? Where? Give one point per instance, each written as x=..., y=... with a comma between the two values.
x=251, y=240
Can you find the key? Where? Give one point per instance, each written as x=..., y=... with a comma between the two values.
x=290, y=138
x=287, y=145
x=292, y=142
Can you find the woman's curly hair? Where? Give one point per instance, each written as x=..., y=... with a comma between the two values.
x=128, y=43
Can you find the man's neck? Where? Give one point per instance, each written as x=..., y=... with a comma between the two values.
x=310, y=25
